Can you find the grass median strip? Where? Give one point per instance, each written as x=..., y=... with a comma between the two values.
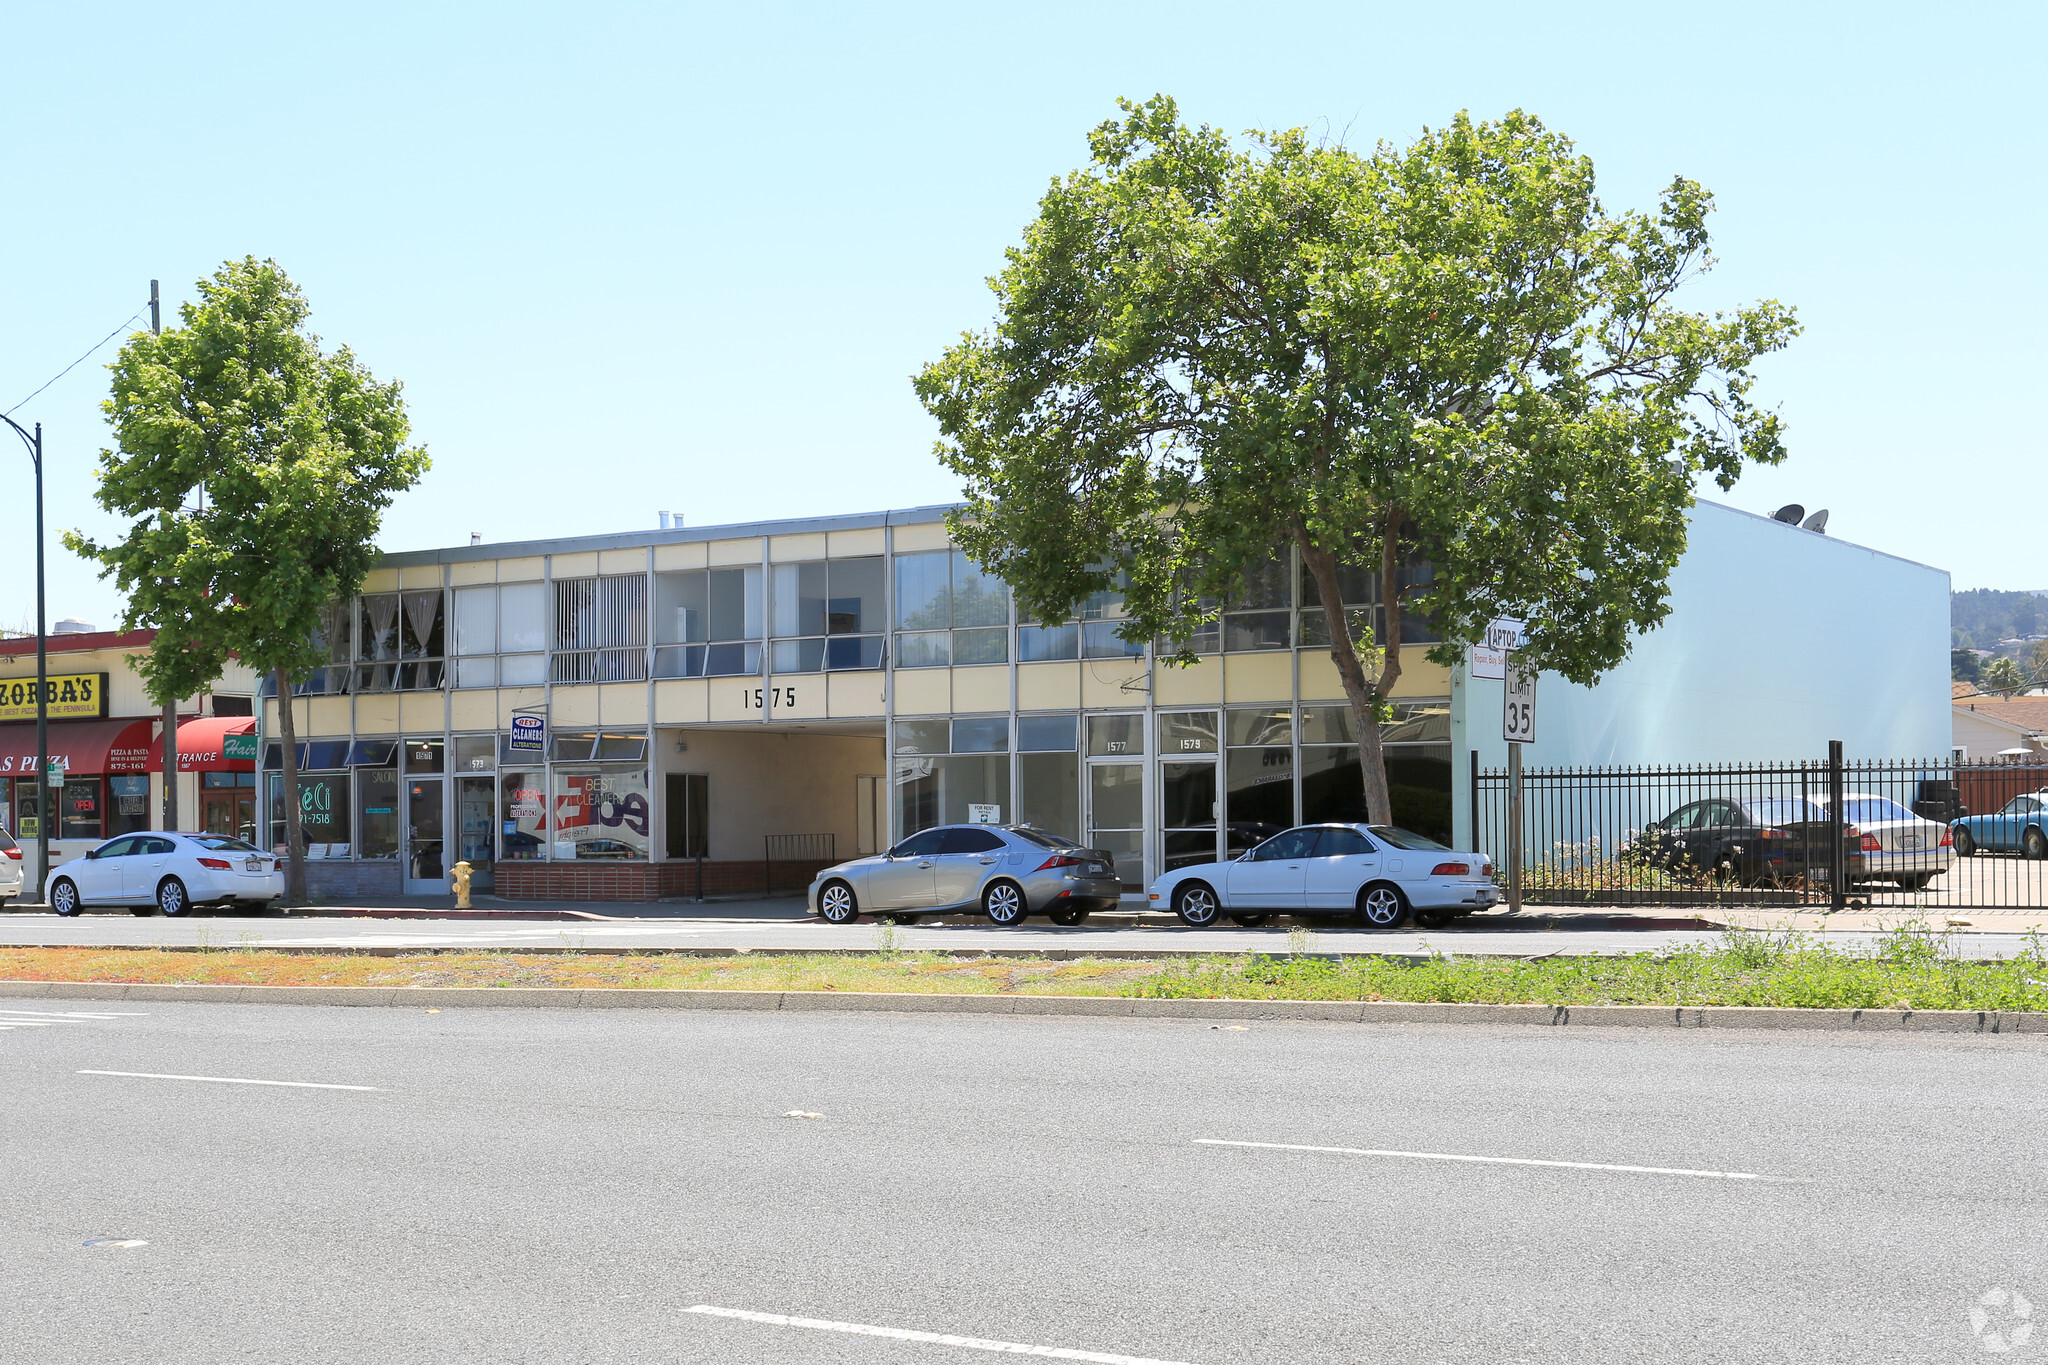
x=1908, y=968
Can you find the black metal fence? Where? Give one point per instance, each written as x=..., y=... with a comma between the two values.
x=789, y=861
x=1829, y=832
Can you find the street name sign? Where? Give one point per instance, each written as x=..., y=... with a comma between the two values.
x=1490, y=655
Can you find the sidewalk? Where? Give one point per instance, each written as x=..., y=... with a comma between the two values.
x=1884, y=919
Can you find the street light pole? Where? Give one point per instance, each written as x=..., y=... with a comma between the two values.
x=35, y=453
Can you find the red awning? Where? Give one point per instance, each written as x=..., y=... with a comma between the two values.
x=199, y=744
x=88, y=747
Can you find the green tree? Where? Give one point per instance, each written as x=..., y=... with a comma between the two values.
x=299, y=451
x=1205, y=352
x=1963, y=666
x=1999, y=675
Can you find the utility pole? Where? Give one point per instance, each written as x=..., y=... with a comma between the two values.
x=156, y=328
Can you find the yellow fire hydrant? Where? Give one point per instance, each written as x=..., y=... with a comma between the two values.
x=459, y=875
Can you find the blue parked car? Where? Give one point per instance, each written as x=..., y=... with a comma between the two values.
x=2021, y=826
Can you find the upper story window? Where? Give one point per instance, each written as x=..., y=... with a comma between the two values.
x=1360, y=585
x=401, y=641
x=1259, y=614
x=707, y=622
x=501, y=635
x=600, y=630
x=949, y=612
x=1091, y=633
x=827, y=615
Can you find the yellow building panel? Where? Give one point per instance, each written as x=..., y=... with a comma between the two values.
x=923, y=535
x=1421, y=678
x=423, y=713
x=788, y=549
x=798, y=696
x=381, y=580
x=1048, y=687
x=511, y=699
x=681, y=701
x=623, y=704
x=471, y=571
x=632, y=560
x=1258, y=677
x=690, y=556
x=747, y=551
x=733, y=699
x=986, y=688
x=853, y=694
x=924, y=691
x=1319, y=677
x=270, y=715
x=420, y=576
x=1113, y=682
x=377, y=713
x=525, y=569
x=576, y=566
x=573, y=708
x=843, y=544
x=1198, y=683
x=325, y=715
x=475, y=708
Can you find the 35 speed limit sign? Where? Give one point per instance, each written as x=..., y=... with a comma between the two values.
x=1518, y=712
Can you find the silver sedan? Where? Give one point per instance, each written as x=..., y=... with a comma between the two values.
x=1008, y=871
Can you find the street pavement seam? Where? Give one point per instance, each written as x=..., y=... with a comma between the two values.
x=1712, y=1017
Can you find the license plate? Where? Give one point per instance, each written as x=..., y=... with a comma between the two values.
x=1097, y=869
x=1909, y=841
x=252, y=865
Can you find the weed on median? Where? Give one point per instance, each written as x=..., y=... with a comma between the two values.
x=1907, y=968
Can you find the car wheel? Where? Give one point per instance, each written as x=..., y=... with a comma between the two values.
x=1004, y=904
x=1196, y=904
x=64, y=897
x=1966, y=843
x=1250, y=921
x=1382, y=906
x=836, y=904
x=2034, y=844
x=171, y=898
x=1068, y=918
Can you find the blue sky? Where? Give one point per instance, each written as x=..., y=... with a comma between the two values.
x=631, y=258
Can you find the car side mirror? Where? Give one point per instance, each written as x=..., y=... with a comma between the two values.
x=91, y=853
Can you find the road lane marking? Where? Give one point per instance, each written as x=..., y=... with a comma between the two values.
x=935, y=1338
x=28, y=1023
x=69, y=1014
x=1496, y=1160
x=227, y=1080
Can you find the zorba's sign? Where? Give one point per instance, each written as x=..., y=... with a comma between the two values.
x=70, y=696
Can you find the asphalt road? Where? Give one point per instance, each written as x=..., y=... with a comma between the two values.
x=781, y=925
x=555, y=1186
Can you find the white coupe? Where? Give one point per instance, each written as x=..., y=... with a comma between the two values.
x=1378, y=872
x=168, y=872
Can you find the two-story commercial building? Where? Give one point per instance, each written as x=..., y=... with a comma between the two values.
x=614, y=716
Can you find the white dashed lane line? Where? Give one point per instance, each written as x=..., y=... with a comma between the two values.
x=12, y=1019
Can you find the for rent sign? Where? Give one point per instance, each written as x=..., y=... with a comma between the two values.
x=69, y=696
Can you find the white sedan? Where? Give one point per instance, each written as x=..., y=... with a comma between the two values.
x=168, y=872
x=1378, y=872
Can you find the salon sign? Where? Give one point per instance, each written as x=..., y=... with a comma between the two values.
x=70, y=696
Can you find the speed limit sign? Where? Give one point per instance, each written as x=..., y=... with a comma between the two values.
x=1518, y=711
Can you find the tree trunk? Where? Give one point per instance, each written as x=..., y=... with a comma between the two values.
x=170, y=767
x=294, y=830
x=1363, y=695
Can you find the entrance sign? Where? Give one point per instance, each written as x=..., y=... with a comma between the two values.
x=1490, y=656
x=984, y=815
x=1518, y=708
x=529, y=735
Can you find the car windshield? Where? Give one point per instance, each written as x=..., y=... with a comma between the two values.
x=1872, y=810
x=1409, y=839
x=1780, y=810
x=1043, y=839
x=223, y=843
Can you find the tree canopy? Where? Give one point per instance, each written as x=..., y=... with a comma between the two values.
x=1206, y=351
x=298, y=450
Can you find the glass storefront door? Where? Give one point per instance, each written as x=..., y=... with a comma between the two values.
x=425, y=823
x=476, y=824
x=1116, y=817
x=1187, y=812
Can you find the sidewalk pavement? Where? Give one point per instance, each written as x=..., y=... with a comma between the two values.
x=1885, y=919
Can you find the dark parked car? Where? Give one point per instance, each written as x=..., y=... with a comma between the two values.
x=1751, y=840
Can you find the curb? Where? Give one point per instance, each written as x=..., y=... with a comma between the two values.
x=1728, y=1017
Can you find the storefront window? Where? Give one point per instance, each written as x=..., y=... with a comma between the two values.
x=377, y=813
x=323, y=813
x=601, y=815
x=1258, y=775
x=128, y=802
x=82, y=809
x=28, y=807
x=1049, y=774
x=522, y=795
x=940, y=790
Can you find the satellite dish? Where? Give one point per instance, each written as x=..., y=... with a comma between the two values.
x=1790, y=514
x=1817, y=523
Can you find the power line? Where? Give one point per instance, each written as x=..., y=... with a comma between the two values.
x=80, y=361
